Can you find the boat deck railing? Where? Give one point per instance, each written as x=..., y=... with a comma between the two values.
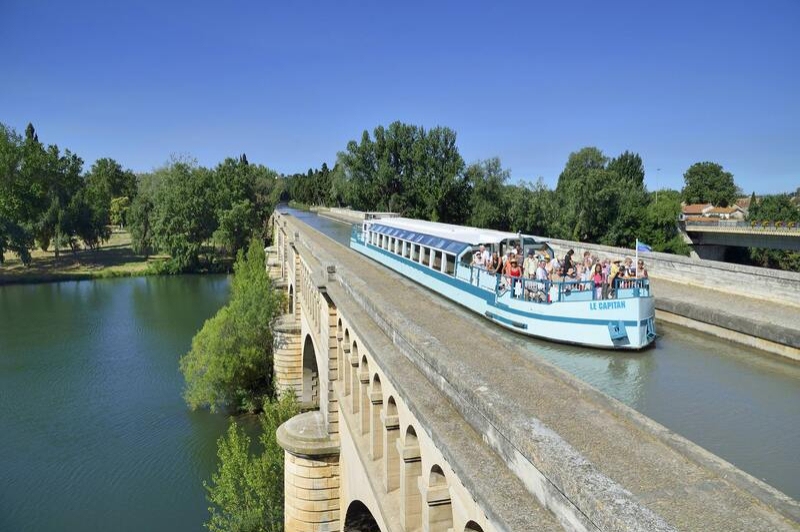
x=547, y=291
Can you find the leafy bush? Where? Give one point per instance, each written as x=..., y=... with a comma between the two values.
x=246, y=492
x=230, y=363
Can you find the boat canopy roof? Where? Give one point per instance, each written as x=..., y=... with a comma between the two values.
x=447, y=237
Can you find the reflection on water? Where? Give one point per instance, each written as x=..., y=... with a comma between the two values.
x=93, y=430
x=737, y=402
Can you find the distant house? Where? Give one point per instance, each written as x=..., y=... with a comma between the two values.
x=733, y=212
x=694, y=210
x=701, y=212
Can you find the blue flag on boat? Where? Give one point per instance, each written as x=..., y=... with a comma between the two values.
x=641, y=246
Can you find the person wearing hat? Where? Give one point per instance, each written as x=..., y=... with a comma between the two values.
x=608, y=288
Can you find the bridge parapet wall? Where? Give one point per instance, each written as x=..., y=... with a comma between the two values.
x=748, y=281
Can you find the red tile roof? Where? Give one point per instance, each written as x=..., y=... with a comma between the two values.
x=696, y=208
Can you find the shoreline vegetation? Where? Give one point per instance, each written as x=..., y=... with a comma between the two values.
x=114, y=258
x=229, y=368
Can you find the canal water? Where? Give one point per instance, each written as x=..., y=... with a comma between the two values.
x=739, y=403
x=94, y=433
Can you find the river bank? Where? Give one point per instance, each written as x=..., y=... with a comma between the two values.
x=114, y=258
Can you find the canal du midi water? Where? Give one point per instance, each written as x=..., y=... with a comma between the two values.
x=739, y=403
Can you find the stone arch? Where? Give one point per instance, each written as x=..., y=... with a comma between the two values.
x=436, y=478
x=358, y=518
x=410, y=472
x=363, y=394
x=472, y=526
x=310, y=389
x=375, y=424
x=391, y=458
x=437, y=510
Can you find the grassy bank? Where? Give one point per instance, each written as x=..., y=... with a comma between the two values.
x=115, y=258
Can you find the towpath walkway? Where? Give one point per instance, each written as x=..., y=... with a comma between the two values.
x=759, y=318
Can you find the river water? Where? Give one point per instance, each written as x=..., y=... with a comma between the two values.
x=94, y=433
x=739, y=403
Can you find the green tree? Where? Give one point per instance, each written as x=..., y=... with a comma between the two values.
x=246, y=491
x=17, y=198
x=488, y=203
x=184, y=212
x=660, y=226
x=629, y=167
x=708, y=182
x=230, y=363
x=775, y=208
x=119, y=210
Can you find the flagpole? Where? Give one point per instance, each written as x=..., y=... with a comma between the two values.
x=637, y=258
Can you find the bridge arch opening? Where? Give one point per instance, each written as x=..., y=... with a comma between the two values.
x=344, y=368
x=437, y=509
x=352, y=370
x=363, y=394
x=359, y=519
x=310, y=391
x=391, y=458
x=375, y=425
x=410, y=472
x=472, y=526
x=436, y=478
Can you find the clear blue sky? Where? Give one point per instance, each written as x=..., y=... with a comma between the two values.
x=289, y=83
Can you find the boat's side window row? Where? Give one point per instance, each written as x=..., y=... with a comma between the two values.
x=431, y=257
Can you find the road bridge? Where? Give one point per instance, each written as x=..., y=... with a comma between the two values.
x=709, y=238
x=424, y=417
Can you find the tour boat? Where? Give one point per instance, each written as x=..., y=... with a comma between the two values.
x=440, y=257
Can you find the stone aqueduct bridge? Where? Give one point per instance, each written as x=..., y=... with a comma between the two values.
x=423, y=418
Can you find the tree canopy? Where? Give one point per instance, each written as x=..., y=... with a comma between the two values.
x=708, y=182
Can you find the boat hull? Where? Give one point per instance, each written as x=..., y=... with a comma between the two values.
x=609, y=324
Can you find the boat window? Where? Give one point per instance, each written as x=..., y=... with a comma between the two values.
x=437, y=260
x=415, y=254
x=425, y=255
x=450, y=264
x=406, y=249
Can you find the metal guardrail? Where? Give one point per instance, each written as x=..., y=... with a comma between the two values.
x=737, y=226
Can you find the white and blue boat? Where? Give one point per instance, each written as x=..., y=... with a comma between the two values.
x=439, y=257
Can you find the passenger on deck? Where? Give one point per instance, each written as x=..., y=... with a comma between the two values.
x=556, y=268
x=608, y=286
x=494, y=264
x=641, y=271
x=597, y=277
x=477, y=260
x=529, y=266
x=514, y=272
x=568, y=264
x=486, y=255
